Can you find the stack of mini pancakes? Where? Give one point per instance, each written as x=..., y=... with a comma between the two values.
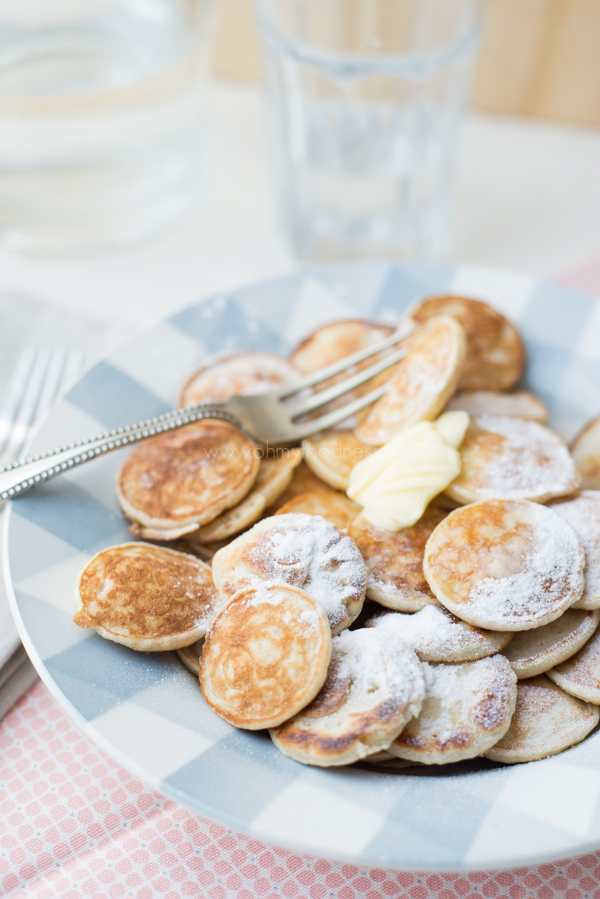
x=473, y=632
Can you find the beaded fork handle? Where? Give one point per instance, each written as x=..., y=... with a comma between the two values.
x=18, y=477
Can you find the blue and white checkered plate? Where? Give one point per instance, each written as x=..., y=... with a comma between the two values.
x=146, y=710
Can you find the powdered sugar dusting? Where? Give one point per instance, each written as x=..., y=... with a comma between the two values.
x=533, y=462
x=309, y=552
x=583, y=514
x=437, y=635
x=466, y=709
x=551, y=578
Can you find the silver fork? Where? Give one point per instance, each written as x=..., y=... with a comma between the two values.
x=270, y=418
x=41, y=376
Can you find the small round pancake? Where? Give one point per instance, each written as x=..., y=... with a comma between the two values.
x=395, y=561
x=467, y=708
x=373, y=687
x=147, y=597
x=421, y=384
x=303, y=481
x=240, y=374
x=536, y=651
x=436, y=635
x=505, y=565
x=585, y=449
x=332, y=455
x=333, y=342
x=265, y=656
x=582, y=512
x=580, y=675
x=303, y=550
x=274, y=476
x=512, y=458
x=335, y=507
x=190, y=656
x=521, y=404
x=546, y=721
x=495, y=352
x=187, y=477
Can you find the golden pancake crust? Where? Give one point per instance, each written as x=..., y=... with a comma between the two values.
x=505, y=565
x=303, y=550
x=239, y=374
x=303, y=481
x=274, y=476
x=335, y=507
x=395, y=561
x=467, y=708
x=546, y=721
x=332, y=342
x=265, y=656
x=187, y=476
x=147, y=597
x=505, y=457
x=421, y=383
x=495, y=353
x=332, y=455
x=373, y=687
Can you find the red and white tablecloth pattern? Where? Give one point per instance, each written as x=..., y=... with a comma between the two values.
x=74, y=824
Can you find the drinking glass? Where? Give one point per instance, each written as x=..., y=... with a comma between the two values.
x=100, y=119
x=364, y=101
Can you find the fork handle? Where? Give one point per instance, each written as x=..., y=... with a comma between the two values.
x=18, y=477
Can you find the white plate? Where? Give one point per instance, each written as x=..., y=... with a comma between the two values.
x=146, y=710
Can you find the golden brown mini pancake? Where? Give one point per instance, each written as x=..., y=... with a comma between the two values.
x=436, y=635
x=467, y=708
x=331, y=343
x=512, y=458
x=190, y=656
x=374, y=686
x=265, y=656
x=519, y=403
x=147, y=597
x=536, y=651
x=582, y=512
x=303, y=481
x=274, y=476
x=580, y=675
x=332, y=455
x=505, y=565
x=585, y=449
x=495, y=352
x=546, y=721
x=177, y=481
x=335, y=507
x=421, y=384
x=240, y=374
x=395, y=561
x=303, y=550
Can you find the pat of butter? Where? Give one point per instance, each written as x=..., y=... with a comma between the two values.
x=396, y=482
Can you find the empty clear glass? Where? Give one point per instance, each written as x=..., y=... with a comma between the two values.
x=100, y=121
x=364, y=101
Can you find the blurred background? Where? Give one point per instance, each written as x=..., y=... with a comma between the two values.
x=525, y=193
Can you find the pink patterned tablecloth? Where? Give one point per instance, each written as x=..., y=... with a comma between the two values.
x=73, y=824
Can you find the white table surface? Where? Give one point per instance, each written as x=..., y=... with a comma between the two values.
x=528, y=198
